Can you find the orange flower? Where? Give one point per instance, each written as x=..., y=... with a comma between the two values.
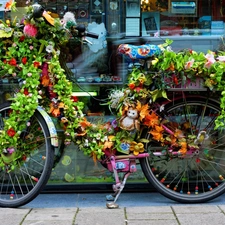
x=108, y=145
x=151, y=120
x=171, y=67
x=178, y=133
x=85, y=123
x=45, y=80
x=144, y=111
x=55, y=108
x=157, y=133
x=183, y=148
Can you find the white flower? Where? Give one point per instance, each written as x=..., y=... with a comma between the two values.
x=161, y=108
x=49, y=49
x=86, y=144
x=98, y=136
x=169, y=48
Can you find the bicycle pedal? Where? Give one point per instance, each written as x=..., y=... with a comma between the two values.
x=112, y=205
x=109, y=198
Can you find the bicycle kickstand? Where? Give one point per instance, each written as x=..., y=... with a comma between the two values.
x=118, y=187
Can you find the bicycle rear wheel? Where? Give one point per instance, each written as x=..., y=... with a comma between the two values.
x=198, y=175
x=24, y=183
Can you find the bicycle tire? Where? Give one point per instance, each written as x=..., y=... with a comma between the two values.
x=196, y=178
x=21, y=185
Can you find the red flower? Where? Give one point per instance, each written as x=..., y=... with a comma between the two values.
x=4, y=61
x=24, y=60
x=22, y=38
x=175, y=80
x=12, y=62
x=138, y=89
x=74, y=98
x=11, y=132
x=36, y=64
x=132, y=86
x=26, y=92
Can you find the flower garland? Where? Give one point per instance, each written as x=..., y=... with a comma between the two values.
x=30, y=50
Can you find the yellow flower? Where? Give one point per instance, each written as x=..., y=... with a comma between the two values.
x=154, y=61
x=136, y=147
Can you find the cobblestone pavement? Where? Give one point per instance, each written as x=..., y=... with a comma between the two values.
x=70, y=211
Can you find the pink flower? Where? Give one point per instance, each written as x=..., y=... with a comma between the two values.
x=189, y=64
x=10, y=150
x=30, y=30
x=210, y=60
x=221, y=58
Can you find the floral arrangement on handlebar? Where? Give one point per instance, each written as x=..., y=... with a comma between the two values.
x=30, y=51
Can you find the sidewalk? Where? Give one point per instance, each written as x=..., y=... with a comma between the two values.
x=169, y=213
x=160, y=215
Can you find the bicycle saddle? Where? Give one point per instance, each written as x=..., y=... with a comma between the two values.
x=138, y=51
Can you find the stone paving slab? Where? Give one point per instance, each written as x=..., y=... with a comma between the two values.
x=196, y=209
x=100, y=216
x=150, y=209
x=152, y=222
x=150, y=215
x=50, y=222
x=10, y=216
x=201, y=218
x=57, y=216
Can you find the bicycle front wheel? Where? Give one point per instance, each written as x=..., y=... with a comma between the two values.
x=198, y=175
x=22, y=184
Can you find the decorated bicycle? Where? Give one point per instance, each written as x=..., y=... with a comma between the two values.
x=177, y=136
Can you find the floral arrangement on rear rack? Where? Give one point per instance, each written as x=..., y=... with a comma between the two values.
x=30, y=51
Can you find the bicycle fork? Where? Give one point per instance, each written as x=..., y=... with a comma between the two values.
x=125, y=164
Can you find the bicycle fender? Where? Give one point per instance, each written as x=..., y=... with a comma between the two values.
x=51, y=126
